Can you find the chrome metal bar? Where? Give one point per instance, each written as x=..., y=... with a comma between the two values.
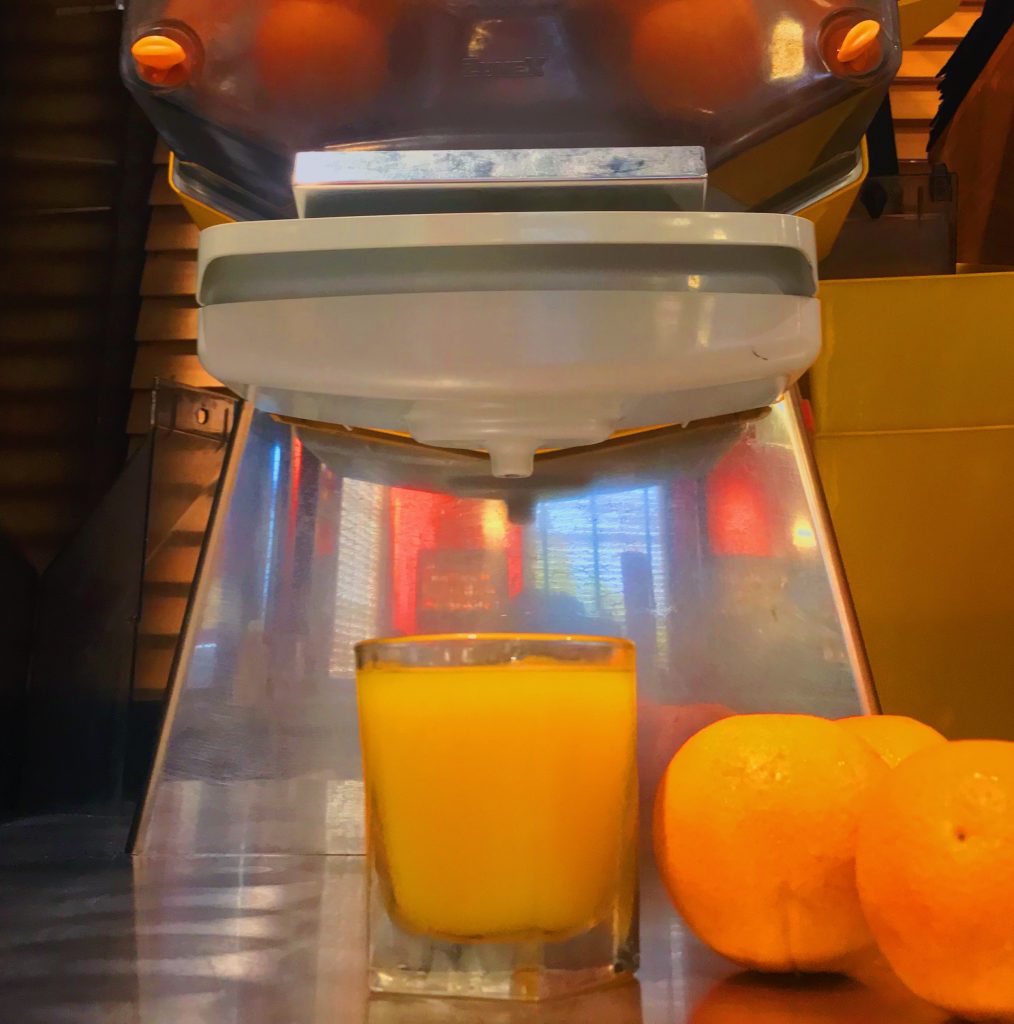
x=336, y=182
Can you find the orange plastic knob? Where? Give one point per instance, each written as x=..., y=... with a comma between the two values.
x=159, y=59
x=860, y=51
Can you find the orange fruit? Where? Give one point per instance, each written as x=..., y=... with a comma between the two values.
x=893, y=737
x=324, y=53
x=935, y=870
x=754, y=830
x=662, y=729
x=688, y=56
x=205, y=18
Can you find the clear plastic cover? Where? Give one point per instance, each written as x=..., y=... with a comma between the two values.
x=237, y=87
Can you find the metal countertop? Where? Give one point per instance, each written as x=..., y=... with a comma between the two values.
x=280, y=940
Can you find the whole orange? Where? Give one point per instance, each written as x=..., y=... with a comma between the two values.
x=935, y=869
x=755, y=829
x=686, y=56
x=893, y=737
x=320, y=53
x=661, y=730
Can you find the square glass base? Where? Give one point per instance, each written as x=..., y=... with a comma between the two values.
x=615, y=1004
x=420, y=965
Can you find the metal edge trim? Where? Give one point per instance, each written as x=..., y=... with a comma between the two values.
x=198, y=597
x=855, y=174
x=828, y=546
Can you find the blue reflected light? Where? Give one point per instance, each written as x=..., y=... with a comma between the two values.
x=269, y=549
x=579, y=548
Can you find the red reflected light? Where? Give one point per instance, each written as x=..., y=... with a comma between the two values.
x=739, y=518
x=462, y=550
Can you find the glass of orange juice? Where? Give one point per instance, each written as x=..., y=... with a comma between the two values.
x=501, y=788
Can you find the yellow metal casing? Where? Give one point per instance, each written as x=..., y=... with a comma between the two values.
x=828, y=214
x=753, y=176
x=201, y=214
x=914, y=419
x=917, y=17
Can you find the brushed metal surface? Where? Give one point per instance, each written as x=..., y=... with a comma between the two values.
x=506, y=166
x=279, y=940
x=342, y=182
x=706, y=546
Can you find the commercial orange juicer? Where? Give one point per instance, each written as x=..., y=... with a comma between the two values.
x=515, y=293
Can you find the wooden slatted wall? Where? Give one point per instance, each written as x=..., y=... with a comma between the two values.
x=914, y=94
x=167, y=324
x=74, y=164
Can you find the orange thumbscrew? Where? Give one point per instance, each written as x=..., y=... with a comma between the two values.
x=157, y=57
x=860, y=50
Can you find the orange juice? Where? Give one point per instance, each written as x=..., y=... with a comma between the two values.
x=503, y=798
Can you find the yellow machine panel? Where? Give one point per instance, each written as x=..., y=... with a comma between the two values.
x=914, y=413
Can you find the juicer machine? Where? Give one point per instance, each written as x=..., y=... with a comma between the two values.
x=515, y=293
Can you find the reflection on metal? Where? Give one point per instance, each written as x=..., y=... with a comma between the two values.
x=787, y=49
x=111, y=608
x=827, y=545
x=357, y=574
x=280, y=940
x=686, y=541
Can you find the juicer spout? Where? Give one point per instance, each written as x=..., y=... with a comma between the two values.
x=512, y=459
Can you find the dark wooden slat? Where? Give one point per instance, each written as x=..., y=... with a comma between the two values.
x=151, y=671
x=55, y=324
x=45, y=418
x=33, y=372
x=914, y=104
x=171, y=230
x=39, y=518
x=49, y=142
x=162, y=362
x=162, y=615
x=150, y=352
x=41, y=31
x=173, y=565
x=51, y=277
x=911, y=142
x=169, y=274
x=61, y=107
x=32, y=467
x=161, y=192
x=31, y=70
x=922, y=63
x=167, y=319
x=953, y=30
x=63, y=236
x=139, y=418
x=163, y=588
x=49, y=187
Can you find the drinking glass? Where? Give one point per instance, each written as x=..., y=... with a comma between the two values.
x=501, y=789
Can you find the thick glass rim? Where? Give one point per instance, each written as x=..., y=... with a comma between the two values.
x=439, y=638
